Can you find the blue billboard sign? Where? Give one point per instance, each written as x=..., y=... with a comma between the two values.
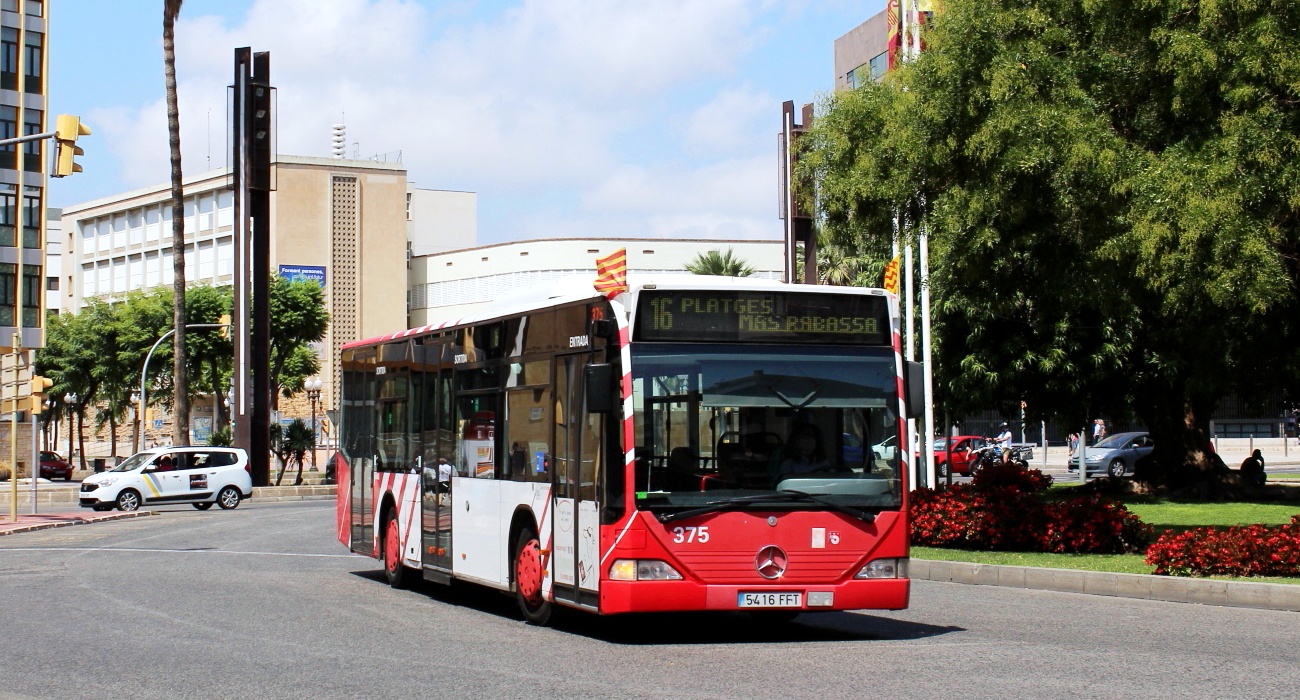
x=312, y=273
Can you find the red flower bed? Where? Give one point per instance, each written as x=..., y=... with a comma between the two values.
x=1003, y=509
x=1252, y=550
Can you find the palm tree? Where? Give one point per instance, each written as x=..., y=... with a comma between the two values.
x=292, y=444
x=837, y=266
x=180, y=387
x=715, y=263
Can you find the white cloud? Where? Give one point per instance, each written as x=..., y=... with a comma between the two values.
x=732, y=122
x=540, y=98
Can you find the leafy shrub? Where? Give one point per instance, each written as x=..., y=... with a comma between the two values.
x=1003, y=509
x=1251, y=550
x=998, y=475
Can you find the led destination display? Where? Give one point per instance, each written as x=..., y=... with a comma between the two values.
x=761, y=317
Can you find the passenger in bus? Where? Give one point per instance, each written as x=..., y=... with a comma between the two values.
x=444, y=480
x=805, y=453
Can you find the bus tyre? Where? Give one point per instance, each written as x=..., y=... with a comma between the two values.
x=528, y=579
x=398, y=575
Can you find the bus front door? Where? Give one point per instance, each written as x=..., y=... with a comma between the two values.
x=576, y=525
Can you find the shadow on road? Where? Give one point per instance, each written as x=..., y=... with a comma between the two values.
x=687, y=628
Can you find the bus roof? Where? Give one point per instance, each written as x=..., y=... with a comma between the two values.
x=578, y=288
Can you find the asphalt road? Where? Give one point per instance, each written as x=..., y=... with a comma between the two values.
x=262, y=602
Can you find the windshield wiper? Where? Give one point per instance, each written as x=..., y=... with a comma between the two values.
x=782, y=495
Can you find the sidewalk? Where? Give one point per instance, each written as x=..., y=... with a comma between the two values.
x=42, y=521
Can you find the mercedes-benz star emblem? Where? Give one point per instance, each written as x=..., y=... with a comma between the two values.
x=770, y=562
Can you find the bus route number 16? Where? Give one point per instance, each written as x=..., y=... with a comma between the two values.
x=691, y=534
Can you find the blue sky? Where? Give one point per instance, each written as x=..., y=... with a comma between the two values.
x=568, y=118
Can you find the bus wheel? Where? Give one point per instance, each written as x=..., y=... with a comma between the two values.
x=528, y=579
x=394, y=570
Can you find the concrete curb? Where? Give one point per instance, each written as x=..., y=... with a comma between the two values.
x=37, y=522
x=276, y=494
x=64, y=496
x=1174, y=589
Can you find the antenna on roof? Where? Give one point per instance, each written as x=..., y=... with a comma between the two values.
x=340, y=147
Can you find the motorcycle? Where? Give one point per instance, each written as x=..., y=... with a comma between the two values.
x=991, y=453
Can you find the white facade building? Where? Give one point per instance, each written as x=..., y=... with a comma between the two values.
x=456, y=283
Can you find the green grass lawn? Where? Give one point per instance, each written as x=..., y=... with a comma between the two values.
x=1160, y=514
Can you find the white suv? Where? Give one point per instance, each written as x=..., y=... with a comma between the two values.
x=198, y=475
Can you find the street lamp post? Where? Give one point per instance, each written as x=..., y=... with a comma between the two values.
x=71, y=401
x=135, y=422
x=313, y=385
x=144, y=371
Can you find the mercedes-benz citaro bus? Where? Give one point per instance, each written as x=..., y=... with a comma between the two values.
x=692, y=443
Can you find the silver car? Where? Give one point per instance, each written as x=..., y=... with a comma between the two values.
x=1114, y=455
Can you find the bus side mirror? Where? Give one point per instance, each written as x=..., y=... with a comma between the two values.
x=598, y=379
x=915, y=386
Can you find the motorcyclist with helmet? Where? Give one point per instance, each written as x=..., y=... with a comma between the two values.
x=1003, y=442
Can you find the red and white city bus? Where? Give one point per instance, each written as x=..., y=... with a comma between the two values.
x=694, y=443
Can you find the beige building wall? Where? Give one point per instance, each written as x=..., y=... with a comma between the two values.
x=348, y=217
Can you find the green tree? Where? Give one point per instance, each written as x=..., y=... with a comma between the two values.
x=1111, y=193
x=180, y=394
x=298, y=319
x=715, y=263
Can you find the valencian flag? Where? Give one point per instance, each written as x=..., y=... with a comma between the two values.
x=925, y=10
x=611, y=273
x=891, y=275
x=894, y=38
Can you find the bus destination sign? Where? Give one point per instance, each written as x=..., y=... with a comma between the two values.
x=762, y=317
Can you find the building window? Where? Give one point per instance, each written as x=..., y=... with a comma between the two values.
x=35, y=45
x=35, y=8
x=32, y=296
x=9, y=58
x=8, y=217
x=32, y=218
x=8, y=298
x=51, y=284
x=32, y=149
x=879, y=65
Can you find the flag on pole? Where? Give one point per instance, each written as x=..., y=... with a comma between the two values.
x=891, y=274
x=611, y=273
x=894, y=36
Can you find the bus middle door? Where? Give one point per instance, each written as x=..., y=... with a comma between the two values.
x=576, y=525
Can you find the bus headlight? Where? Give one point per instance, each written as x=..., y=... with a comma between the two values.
x=884, y=568
x=643, y=570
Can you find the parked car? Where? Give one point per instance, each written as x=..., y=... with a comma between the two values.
x=55, y=467
x=1114, y=454
x=163, y=475
x=962, y=445
x=886, y=449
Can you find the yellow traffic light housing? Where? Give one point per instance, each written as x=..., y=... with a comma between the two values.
x=66, y=130
x=39, y=385
x=225, y=326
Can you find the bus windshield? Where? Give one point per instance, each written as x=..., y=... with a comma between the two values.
x=749, y=426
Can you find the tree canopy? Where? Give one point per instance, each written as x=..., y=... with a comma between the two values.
x=99, y=353
x=1110, y=189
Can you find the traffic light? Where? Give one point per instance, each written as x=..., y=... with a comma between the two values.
x=39, y=386
x=66, y=130
x=225, y=326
